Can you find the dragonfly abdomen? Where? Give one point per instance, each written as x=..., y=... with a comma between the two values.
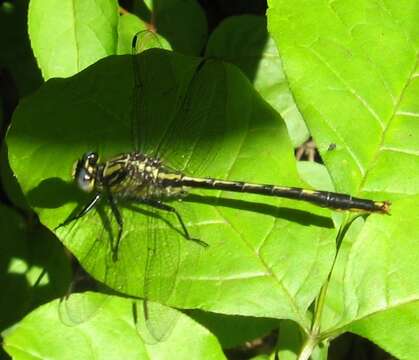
x=328, y=199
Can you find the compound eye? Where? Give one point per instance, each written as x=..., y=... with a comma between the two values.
x=84, y=180
x=91, y=158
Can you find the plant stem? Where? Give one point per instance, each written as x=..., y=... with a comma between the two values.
x=308, y=348
x=314, y=336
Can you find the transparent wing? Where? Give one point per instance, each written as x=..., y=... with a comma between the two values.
x=169, y=255
x=162, y=266
x=177, y=114
x=144, y=40
x=160, y=321
x=197, y=129
x=153, y=320
x=179, y=108
x=74, y=308
x=141, y=41
x=162, y=262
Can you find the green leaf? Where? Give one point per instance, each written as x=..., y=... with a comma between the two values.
x=111, y=333
x=290, y=340
x=259, y=263
x=233, y=330
x=16, y=55
x=357, y=96
x=69, y=35
x=10, y=184
x=29, y=254
x=375, y=286
x=315, y=174
x=167, y=18
x=396, y=329
x=245, y=42
x=351, y=89
x=129, y=26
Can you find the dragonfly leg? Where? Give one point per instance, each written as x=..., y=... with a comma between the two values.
x=117, y=214
x=160, y=205
x=89, y=206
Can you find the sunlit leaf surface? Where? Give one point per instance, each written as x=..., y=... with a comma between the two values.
x=110, y=334
x=353, y=70
x=261, y=252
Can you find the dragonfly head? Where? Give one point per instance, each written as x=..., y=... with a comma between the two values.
x=85, y=170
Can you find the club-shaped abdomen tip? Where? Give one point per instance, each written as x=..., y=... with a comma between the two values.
x=383, y=206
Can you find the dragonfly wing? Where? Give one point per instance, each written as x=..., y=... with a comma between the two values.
x=75, y=308
x=160, y=320
x=197, y=129
x=171, y=103
x=172, y=261
x=162, y=266
x=178, y=108
x=142, y=41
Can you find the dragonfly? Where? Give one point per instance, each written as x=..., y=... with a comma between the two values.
x=158, y=283
x=143, y=177
x=139, y=177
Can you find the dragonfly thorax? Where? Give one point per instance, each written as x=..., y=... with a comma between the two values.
x=131, y=176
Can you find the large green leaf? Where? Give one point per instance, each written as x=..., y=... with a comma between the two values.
x=69, y=35
x=351, y=89
x=261, y=252
x=353, y=71
x=110, y=333
x=15, y=54
x=84, y=32
x=34, y=268
x=374, y=289
x=244, y=41
x=167, y=18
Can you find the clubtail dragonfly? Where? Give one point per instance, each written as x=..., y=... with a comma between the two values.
x=143, y=176
x=139, y=177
